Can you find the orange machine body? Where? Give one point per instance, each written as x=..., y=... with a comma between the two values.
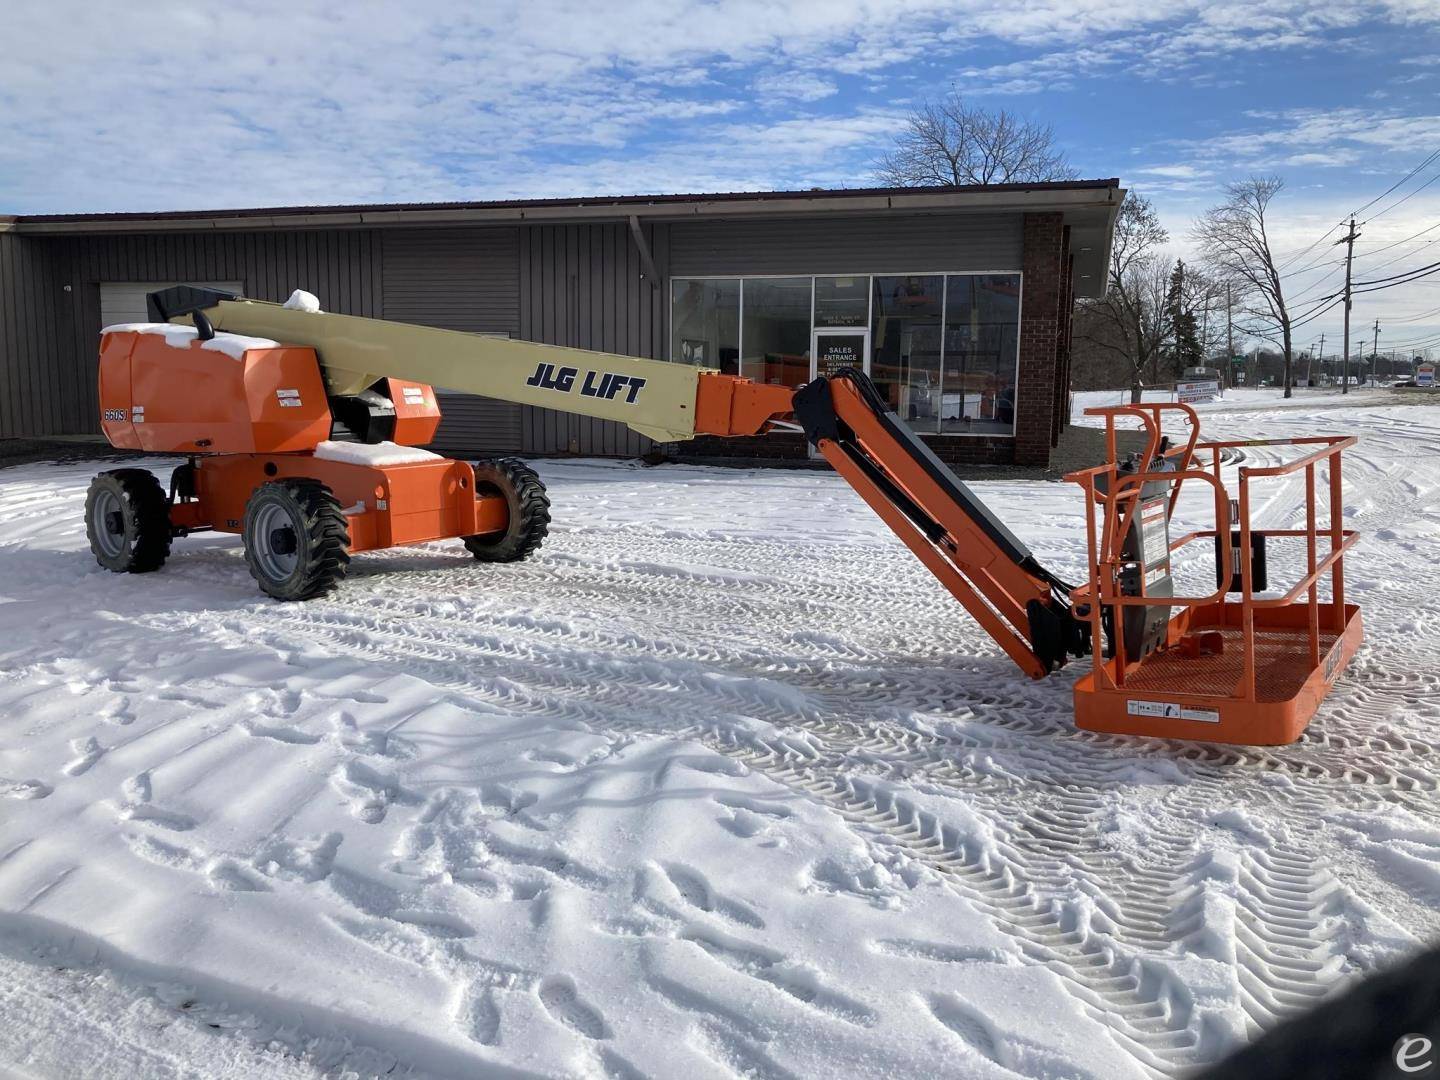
x=250, y=415
x=170, y=392
x=386, y=505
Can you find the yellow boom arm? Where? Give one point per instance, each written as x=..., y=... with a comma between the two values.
x=652, y=397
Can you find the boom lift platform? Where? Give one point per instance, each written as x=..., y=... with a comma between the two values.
x=251, y=392
x=1252, y=670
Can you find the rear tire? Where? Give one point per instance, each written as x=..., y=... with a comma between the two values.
x=297, y=541
x=524, y=493
x=127, y=520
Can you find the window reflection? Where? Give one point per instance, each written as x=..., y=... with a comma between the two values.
x=905, y=346
x=775, y=342
x=842, y=302
x=705, y=323
x=982, y=324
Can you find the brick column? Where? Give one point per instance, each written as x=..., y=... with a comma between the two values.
x=1040, y=327
x=1061, y=416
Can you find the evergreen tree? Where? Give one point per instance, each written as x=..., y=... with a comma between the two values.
x=1186, y=351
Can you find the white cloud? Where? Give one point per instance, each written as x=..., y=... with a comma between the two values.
x=1171, y=172
x=794, y=84
x=1323, y=138
x=107, y=106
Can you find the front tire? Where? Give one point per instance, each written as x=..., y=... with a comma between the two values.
x=524, y=493
x=297, y=541
x=127, y=520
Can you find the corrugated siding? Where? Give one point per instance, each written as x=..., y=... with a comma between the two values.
x=847, y=245
x=583, y=286
x=460, y=279
x=37, y=387
x=125, y=302
x=341, y=268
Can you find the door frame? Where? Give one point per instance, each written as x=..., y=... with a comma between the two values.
x=816, y=332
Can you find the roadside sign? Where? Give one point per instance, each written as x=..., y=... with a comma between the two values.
x=1425, y=375
x=1191, y=392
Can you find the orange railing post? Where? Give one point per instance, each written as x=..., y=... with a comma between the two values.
x=1337, y=572
x=1313, y=599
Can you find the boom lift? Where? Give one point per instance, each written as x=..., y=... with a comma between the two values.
x=251, y=392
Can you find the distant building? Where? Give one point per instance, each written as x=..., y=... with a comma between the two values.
x=957, y=300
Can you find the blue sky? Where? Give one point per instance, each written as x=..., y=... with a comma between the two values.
x=152, y=106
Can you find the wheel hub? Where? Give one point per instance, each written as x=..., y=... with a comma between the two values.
x=108, y=526
x=277, y=542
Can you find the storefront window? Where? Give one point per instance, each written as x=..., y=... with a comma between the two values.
x=705, y=323
x=775, y=330
x=842, y=302
x=905, y=346
x=942, y=349
x=982, y=327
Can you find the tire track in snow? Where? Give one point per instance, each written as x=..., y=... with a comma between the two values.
x=1276, y=893
x=824, y=717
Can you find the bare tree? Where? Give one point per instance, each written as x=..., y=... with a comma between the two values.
x=1234, y=240
x=1131, y=322
x=953, y=142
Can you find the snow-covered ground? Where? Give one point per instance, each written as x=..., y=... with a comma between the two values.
x=721, y=783
x=1240, y=399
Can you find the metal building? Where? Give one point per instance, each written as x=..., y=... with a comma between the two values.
x=957, y=300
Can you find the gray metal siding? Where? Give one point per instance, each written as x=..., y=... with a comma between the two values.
x=341, y=268
x=460, y=279
x=39, y=391
x=584, y=286
x=847, y=245
x=125, y=302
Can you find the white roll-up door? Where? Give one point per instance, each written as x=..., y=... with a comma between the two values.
x=124, y=301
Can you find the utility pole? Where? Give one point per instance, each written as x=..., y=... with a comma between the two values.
x=1322, y=361
x=1375, y=350
x=1349, y=241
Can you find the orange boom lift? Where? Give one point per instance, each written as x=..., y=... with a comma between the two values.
x=256, y=417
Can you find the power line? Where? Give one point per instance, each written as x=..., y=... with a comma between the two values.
x=1293, y=259
x=1394, y=279
x=1335, y=301
x=1318, y=282
x=1314, y=265
x=1407, y=198
x=1418, y=317
x=1306, y=250
x=1417, y=343
x=1400, y=258
x=1397, y=243
x=1398, y=183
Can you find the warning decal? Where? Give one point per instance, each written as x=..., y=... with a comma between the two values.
x=1172, y=710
